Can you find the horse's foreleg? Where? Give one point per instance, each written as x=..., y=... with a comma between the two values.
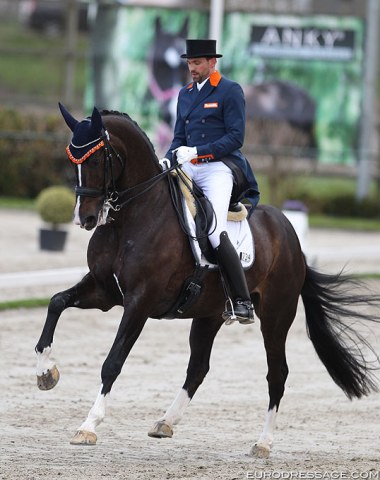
x=86, y=294
x=86, y=435
x=202, y=334
x=129, y=330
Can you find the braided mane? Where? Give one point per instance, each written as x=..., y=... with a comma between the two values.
x=133, y=122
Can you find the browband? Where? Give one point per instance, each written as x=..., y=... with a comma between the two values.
x=92, y=150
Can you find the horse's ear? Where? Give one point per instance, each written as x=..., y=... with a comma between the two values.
x=185, y=28
x=71, y=122
x=96, y=120
x=157, y=24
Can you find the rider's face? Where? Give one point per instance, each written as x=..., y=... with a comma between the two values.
x=201, y=68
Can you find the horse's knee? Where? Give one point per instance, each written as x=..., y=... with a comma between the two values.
x=58, y=303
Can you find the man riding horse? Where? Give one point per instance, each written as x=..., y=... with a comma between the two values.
x=208, y=135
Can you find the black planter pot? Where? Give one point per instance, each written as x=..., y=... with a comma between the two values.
x=53, y=240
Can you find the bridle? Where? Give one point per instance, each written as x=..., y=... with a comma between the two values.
x=109, y=191
x=109, y=188
x=113, y=199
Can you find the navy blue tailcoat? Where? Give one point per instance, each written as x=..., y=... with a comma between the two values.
x=213, y=120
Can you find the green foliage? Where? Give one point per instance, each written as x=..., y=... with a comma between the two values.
x=345, y=223
x=24, y=303
x=32, y=153
x=335, y=198
x=348, y=206
x=330, y=200
x=55, y=205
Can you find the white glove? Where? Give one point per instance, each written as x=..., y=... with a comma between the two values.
x=164, y=163
x=185, y=154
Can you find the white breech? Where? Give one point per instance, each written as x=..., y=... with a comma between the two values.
x=216, y=181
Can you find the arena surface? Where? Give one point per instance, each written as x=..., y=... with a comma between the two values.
x=319, y=434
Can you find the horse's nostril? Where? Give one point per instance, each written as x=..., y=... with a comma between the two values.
x=89, y=222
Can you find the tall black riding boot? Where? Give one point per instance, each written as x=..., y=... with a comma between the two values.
x=228, y=260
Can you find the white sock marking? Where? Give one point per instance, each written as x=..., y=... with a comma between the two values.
x=96, y=414
x=266, y=437
x=175, y=412
x=43, y=362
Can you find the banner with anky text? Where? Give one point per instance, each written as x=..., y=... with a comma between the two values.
x=302, y=72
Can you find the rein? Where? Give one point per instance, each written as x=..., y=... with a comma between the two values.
x=146, y=186
x=112, y=195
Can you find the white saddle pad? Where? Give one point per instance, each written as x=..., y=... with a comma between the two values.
x=239, y=234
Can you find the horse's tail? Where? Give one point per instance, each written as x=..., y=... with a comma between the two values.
x=327, y=301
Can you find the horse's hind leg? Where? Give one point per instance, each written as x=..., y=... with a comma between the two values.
x=202, y=334
x=274, y=329
x=86, y=294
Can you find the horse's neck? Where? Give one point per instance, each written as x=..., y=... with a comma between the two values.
x=140, y=160
x=148, y=215
x=139, y=168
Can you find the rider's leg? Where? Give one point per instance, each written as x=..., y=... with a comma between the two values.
x=216, y=181
x=229, y=261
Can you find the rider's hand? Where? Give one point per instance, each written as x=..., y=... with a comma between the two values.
x=164, y=163
x=185, y=154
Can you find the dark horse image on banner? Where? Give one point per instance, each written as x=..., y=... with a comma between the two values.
x=167, y=75
x=280, y=114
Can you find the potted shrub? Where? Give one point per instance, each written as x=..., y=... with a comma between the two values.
x=55, y=206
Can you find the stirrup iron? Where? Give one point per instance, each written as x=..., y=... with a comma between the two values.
x=227, y=317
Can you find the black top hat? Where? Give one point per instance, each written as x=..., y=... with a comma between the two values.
x=200, y=48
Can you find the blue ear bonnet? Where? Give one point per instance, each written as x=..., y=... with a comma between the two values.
x=87, y=134
x=85, y=137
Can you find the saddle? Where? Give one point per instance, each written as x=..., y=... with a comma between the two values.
x=202, y=212
x=191, y=193
x=195, y=214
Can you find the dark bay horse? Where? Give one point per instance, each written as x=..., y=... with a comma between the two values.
x=141, y=258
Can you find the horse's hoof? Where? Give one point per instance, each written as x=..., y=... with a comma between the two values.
x=84, y=438
x=48, y=380
x=161, y=430
x=260, y=451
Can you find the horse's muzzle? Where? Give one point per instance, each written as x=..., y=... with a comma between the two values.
x=89, y=222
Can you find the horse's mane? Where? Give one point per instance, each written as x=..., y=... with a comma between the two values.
x=134, y=123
